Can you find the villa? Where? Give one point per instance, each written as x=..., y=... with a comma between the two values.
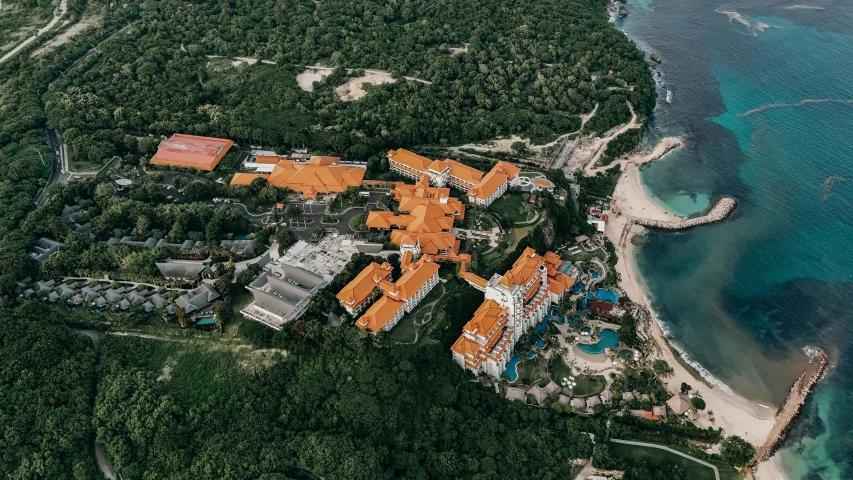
x=481, y=188
x=399, y=297
x=514, y=303
x=610, y=311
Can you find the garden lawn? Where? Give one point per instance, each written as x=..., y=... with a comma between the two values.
x=588, y=385
x=695, y=471
x=514, y=206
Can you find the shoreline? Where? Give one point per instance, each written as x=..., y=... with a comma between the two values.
x=736, y=415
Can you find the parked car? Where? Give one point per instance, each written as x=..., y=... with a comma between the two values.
x=169, y=197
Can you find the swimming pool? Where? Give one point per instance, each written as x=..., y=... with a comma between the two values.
x=593, y=273
x=552, y=317
x=540, y=343
x=565, y=267
x=607, y=295
x=531, y=354
x=540, y=326
x=203, y=321
x=578, y=288
x=606, y=339
x=240, y=237
x=511, y=373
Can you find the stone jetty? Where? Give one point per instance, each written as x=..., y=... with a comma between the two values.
x=720, y=211
x=791, y=408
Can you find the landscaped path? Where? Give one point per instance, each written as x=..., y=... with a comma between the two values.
x=104, y=463
x=670, y=450
x=431, y=306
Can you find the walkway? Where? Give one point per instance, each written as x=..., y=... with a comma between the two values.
x=661, y=447
x=57, y=14
x=103, y=462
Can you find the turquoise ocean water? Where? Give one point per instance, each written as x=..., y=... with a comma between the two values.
x=767, y=113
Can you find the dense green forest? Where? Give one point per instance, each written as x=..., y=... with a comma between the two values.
x=340, y=408
x=529, y=68
x=47, y=375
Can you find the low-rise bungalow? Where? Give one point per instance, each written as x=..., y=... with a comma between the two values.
x=197, y=299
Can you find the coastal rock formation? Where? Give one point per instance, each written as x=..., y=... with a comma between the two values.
x=791, y=408
x=720, y=211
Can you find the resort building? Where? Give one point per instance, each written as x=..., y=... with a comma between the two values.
x=514, y=302
x=191, y=151
x=494, y=184
x=320, y=175
x=193, y=301
x=482, y=188
x=281, y=295
x=424, y=221
x=398, y=298
x=358, y=293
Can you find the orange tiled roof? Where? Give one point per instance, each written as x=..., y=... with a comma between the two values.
x=268, y=159
x=246, y=178
x=191, y=151
x=324, y=161
x=385, y=220
x=462, y=171
x=502, y=172
x=524, y=268
x=471, y=277
x=480, y=336
x=486, y=319
x=361, y=287
x=379, y=314
x=542, y=182
x=413, y=279
x=410, y=159
x=312, y=179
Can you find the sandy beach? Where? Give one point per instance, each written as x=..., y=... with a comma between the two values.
x=734, y=414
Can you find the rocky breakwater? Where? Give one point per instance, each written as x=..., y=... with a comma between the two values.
x=720, y=211
x=791, y=408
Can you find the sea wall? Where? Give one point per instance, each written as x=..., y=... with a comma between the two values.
x=720, y=211
x=791, y=408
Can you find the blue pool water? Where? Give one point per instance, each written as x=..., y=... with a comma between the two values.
x=578, y=288
x=607, y=295
x=540, y=343
x=511, y=373
x=540, y=326
x=593, y=273
x=606, y=339
x=531, y=354
x=554, y=318
x=202, y=321
x=566, y=267
x=240, y=237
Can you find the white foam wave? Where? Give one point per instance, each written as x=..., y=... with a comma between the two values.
x=703, y=372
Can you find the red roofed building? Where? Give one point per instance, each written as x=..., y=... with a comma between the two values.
x=514, y=303
x=482, y=189
x=397, y=297
x=191, y=151
x=320, y=175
